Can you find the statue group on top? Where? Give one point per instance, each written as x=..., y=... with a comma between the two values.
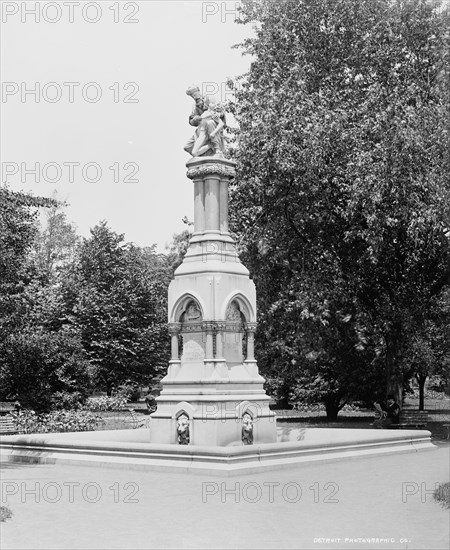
x=209, y=120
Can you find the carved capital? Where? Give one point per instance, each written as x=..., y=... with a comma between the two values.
x=174, y=328
x=210, y=166
x=208, y=326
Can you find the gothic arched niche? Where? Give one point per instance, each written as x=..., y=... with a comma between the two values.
x=234, y=313
x=192, y=340
x=192, y=313
x=238, y=301
x=234, y=341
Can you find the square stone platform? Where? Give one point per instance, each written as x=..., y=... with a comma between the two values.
x=131, y=449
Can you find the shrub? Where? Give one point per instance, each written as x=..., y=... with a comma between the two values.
x=310, y=407
x=351, y=407
x=129, y=391
x=442, y=495
x=97, y=404
x=68, y=400
x=27, y=421
x=5, y=513
x=278, y=388
x=36, y=363
x=428, y=394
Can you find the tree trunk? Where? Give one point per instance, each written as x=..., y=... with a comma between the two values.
x=395, y=387
x=332, y=407
x=283, y=403
x=421, y=379
x=394, y=375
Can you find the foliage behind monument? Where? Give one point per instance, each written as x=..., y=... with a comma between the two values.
x=342, y=201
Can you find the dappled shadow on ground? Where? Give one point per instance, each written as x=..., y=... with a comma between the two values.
x=285, y=434
x=14, y=465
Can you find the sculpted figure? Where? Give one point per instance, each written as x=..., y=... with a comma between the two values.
x=247, y=429
x=209, y=120
x=183, y=429
x=192, y=312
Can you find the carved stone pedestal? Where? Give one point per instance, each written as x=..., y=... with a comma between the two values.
x=213, y=377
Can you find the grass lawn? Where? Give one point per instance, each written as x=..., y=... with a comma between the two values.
x=123, y=420
x=438, y=413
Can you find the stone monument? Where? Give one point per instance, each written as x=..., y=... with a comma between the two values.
x=213, y=393
x=213, y=414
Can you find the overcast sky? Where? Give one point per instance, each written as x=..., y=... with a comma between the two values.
x=172, y=45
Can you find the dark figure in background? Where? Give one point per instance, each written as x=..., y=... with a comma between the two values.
x=150, y=401
x=389, y=413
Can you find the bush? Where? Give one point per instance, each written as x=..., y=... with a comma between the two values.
x=304, y=399
x=5, y=513
x=278, y=388
x=310, y=407
x=439, y=384
x=442, y=495
x=129, y=391
x=97, y=404
x=35, y=364
x=68, y=400
x=351, y=407
x=27, y=421
x=428, y=394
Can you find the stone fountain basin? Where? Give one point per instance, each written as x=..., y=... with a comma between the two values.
x=130, y=449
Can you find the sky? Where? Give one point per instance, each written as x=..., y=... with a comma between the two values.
x=93, y=101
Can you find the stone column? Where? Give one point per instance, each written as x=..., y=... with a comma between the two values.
x=174, y=345
x=199, y=206
x=174, y=331
x=221, y=368
x=211, y=176
x=209, y=351
x=175, y=362
x=219, y=344
x=250, y=342
x=212, y=212
x=224, y=206
x=250, y=361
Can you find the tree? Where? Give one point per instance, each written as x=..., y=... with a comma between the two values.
x=35, y=364
x=428, y=353
x=342, y=194
x=36, y=359
x=178, y=248
x=18, y=214
x=55, y=244
x=116, y=295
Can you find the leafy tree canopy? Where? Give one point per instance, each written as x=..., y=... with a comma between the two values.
x=342, y=196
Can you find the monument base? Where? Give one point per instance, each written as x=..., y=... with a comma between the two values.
x=213, y=405
x=131, y=450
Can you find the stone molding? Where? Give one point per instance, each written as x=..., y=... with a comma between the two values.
x=174, y=328
x=211, y=326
